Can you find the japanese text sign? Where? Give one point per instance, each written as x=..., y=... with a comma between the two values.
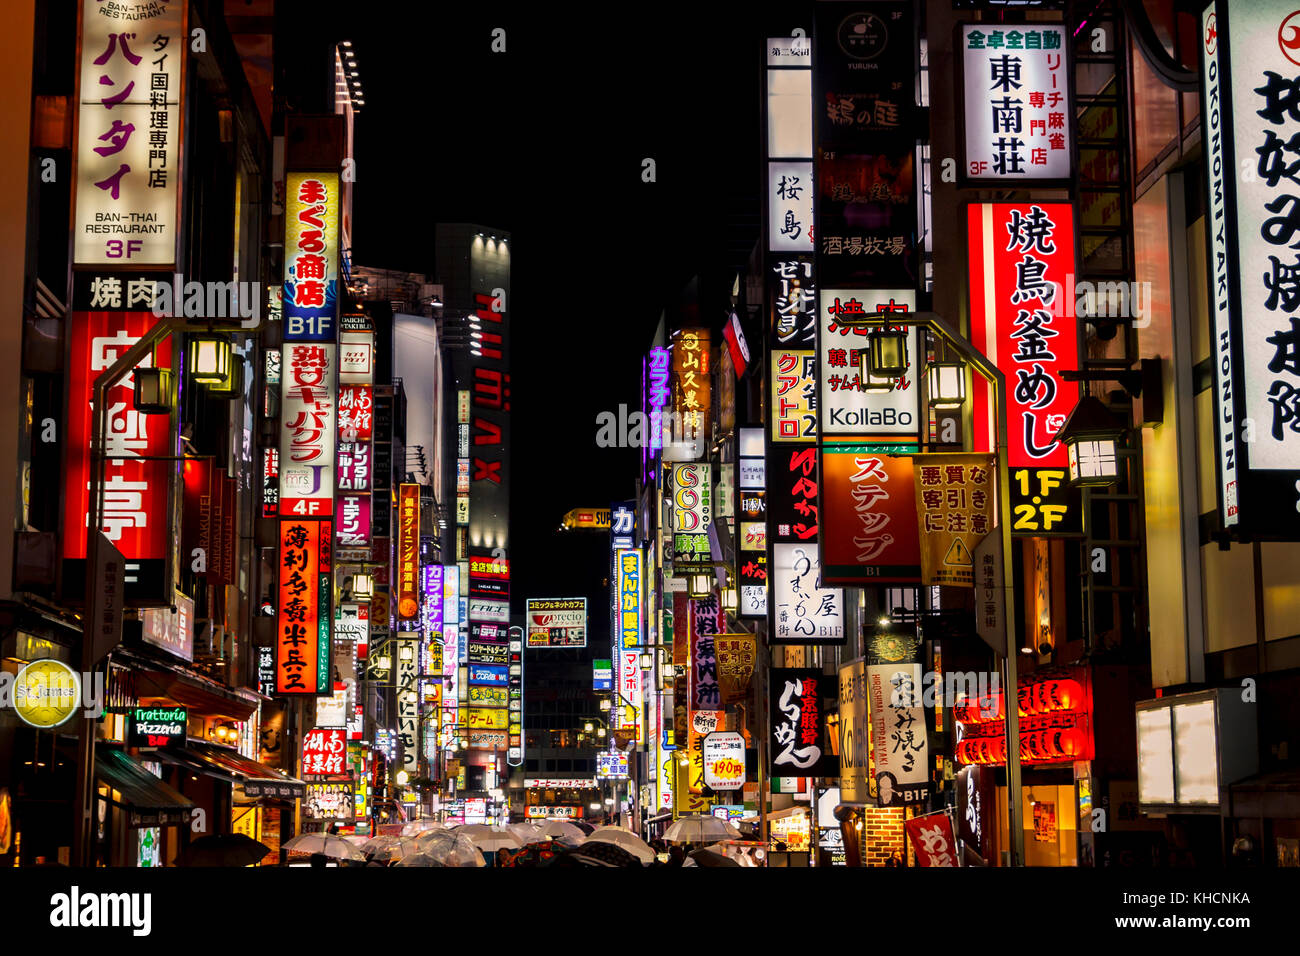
x=1021, y=256
x=302, y=660
x=1016, y=79
x=311, y=249
x=955, y=497
x=847, y=407
x=870, y=531
x=129, y=133
x=307, y=414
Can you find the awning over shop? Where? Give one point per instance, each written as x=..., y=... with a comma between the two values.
x=257, y=779
x=158, y=680
x=147, y=800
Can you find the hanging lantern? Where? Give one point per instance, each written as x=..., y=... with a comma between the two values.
x=888, y=350
x=1091, y=435
x=153, y=391
x=209, y=358
x=362, y=585
x=945, y=384
x=701, y=585
x=873, y=381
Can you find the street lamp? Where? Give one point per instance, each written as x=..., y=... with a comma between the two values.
x=1091, y=435
x=153, y=391
x=888, y=350
x=890, y=353
x=209, y=358
x=945, y=384
x=363, y=585
x=646, y=660
x=604, y=703
x=233, y=386
x=700, y=585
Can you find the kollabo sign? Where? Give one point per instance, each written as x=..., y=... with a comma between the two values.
x=156, y=726
x=847, y=407
x=1250, y=71
x=724, y=761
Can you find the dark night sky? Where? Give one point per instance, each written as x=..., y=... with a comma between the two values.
x=546, y=141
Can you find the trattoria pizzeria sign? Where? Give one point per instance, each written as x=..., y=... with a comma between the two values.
x=1251, y=110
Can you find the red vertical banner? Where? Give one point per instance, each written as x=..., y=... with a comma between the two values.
x=196, y=531
x=932, y=838
x=302, y=654
x=408, y=552
x=1023, y=319
x=135, y=491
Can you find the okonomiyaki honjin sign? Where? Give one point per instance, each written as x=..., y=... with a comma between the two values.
x=1251, y=107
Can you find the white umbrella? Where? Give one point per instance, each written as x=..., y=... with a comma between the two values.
x=494, y=840
x=624, y=839
x=527, y=833
x=325, y=843
x=701, y=830
x=562, y=830
x=420, y=826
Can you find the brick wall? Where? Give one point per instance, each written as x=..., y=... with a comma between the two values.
x=882, y=834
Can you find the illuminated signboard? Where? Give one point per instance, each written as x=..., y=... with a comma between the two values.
x=129, y=133
x=804, y=612
x=557, y=622
x=302, y=660
x=352, y=517
x=630, y=677
x=611, y=765
x=1250, y=70
x=307, y=396
x=692, y=514
x=692, y=383
x=658, y=395
x=135, y=491
x=1016, y=109
x=408, y=703
x=356, y=350
x=433, y=597
x=324, y=752
x=602, y=674
x=869, y=524
x=790, y=207
x=723, y=754
x=156, y=726
x=407, y=567
x=794, y=395
x=491, y=674
x=1044, y=505
x=356, y=413
x=847, y=407
x=1021, y=255
x=311, y=247
x=630, y=600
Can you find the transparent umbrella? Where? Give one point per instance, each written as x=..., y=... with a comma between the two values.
x=326, y=844
x=701, y=830
x=527, y=833
x=386, y=848
x=443, y=848
x=420, y=826
x=494, y=840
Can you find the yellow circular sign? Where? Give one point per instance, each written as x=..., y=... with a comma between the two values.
x=46, y=693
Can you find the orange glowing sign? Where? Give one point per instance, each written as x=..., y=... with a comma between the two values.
x=408, y=552
x=302, y=653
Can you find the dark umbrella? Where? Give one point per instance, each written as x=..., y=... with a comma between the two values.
x=233, y=849
x=599, y=853
x=586, y=828
x=712, y=858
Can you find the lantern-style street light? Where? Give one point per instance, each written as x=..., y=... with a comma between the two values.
x=209, y=358
x=1091, y=436
x=945, y=384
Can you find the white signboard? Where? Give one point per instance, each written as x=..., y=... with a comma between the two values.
x=129, y=133
x=847, y=408
x=1017, y=101
x=804, y=612
x=332, y=711
x=724, y=761
x=898, y=736
x=790, y=206
x=489, y=609
x=1265, y=77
